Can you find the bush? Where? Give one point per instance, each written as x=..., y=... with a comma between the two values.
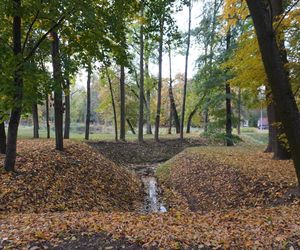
x=218, y=137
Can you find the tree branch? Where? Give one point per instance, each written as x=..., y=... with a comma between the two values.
x=297, y=91
x=29, y=30
x=285, y=14
x=38, y=43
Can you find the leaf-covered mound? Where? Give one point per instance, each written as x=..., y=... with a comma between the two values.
x=77, y=179
x=214, y=178
x=150, y=151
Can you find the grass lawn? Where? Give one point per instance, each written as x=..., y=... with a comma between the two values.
x=249, y=135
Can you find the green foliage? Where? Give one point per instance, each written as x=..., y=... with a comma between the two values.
x=218, y=137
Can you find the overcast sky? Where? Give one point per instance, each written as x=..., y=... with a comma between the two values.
x=178, y=61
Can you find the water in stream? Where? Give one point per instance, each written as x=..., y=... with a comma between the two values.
x=153, y=202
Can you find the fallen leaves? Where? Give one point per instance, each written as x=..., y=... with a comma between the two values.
x=149, y=151
x=216, y=178
x=235, y=229
x=233, y=191
x=77, y=179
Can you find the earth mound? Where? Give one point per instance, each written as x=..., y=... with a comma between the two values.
x=77, y=179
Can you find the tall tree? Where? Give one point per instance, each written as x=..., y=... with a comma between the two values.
x=239, y=111
x=279, y=148
x=67, y=110
x=47, y=116
x=229, y=141
x=173, y=109
x=35, y=118
x=16, y=111
x=159, y=87
x=213, y=19
x=186, y=70
x=141, y=94
x=58, y=86
x=2, y=138
x=113, y=103
x=88, y=102
x=122, y=104
x=278, y=79
x=148, y=88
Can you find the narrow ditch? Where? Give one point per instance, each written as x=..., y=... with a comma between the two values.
x=153, y=200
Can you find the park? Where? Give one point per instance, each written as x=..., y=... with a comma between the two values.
x=149, y=124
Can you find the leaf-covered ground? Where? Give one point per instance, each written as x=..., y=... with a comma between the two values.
x=148, y=152
x=220, y=198
x=262, y=228
x=77, y=179
x=216, y=178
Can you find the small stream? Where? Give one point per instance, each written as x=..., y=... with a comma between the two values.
x=153, y=201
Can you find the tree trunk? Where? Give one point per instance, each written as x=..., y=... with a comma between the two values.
x=279, y=149
x=2, y=138
x=122, y=105
x=141, y=96
x=68, y=110
x=35, y=118
x=275, y=145
x=58, y=103
x=186, y=72
x=113, y=104
x=212, y=36
x=174, y=112
x=148, y=98
x=159, y=87
x=47, y=117
x=11, y=149
x=239, y=112
x=189, y=121
x=88, y=103
x=130, y=126
x=170, y=89
x=229, y=141
x=206, y=120
x=271, y=120
x=170, y=121
x=148, y=110
x=281, y=88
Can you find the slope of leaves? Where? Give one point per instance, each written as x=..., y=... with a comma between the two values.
x=77, y=179
x=214, y=178
x=256, y=228
x=149, y=151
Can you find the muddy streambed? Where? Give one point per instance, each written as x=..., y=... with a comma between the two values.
x=153, y=200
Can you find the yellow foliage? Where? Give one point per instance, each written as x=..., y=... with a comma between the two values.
x=246, y=63
x=234, y=10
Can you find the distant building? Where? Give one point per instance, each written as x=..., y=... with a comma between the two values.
x=263, y=123
x=245, y=123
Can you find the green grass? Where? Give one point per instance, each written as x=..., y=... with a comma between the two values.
x=163, y=171
x=257, y=138
x=26, y=132
x=249, y=135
